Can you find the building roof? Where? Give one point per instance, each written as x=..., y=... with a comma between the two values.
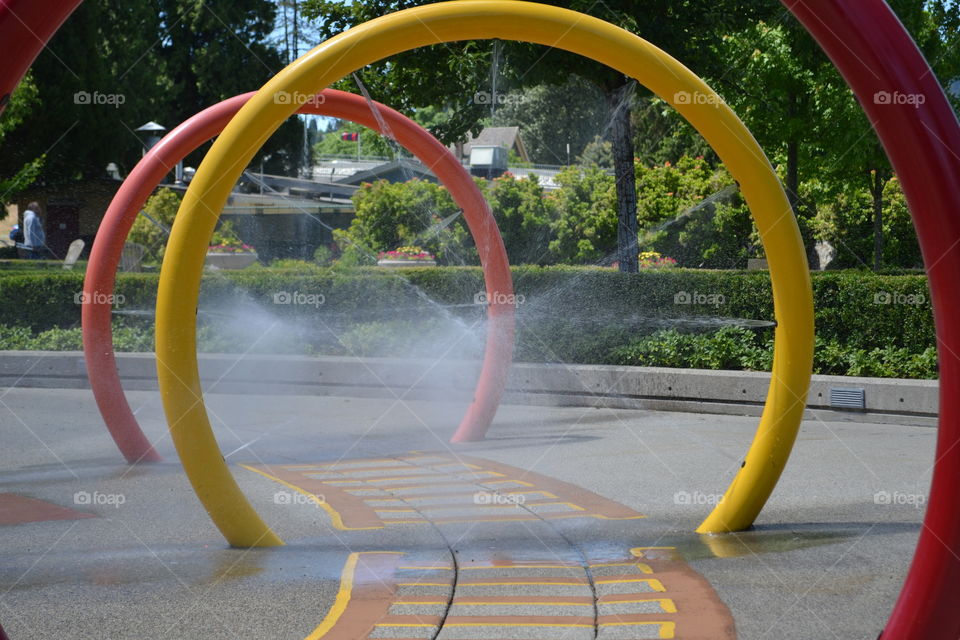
x=394, y=170
x=508, y=137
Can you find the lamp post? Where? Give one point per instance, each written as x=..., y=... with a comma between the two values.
x=154, y=132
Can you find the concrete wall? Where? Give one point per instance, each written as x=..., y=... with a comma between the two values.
x=911, y=402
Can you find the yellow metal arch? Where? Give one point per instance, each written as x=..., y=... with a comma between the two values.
x=476, y=20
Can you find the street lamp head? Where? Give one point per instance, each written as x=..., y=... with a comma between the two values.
x=152, y=127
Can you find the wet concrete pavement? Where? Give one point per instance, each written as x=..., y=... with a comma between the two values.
x=565, y=523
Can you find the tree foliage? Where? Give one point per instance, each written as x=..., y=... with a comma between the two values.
x=114, y=66
x=152, y=227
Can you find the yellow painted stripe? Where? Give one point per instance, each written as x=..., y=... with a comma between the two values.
x=449, y=464
x=426, y=507
x=521, y=566
x=335, y=517
x=526, y=604
x=421, y=486
x=653, y=582
x=638, y=551
x=668, y=605
x=343, y=595
x=520, y=482
x=519, y=624
x=543, y=516
x=463, y=520
x=667, y=629
x=644, y=568
x=514, y=584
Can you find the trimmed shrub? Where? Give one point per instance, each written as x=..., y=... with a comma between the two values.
x=867, y=324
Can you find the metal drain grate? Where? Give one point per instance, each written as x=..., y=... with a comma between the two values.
x=848, y=398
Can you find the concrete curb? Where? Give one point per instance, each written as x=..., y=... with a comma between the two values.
x=896, y=401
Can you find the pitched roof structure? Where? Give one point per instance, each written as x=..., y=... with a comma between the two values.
x=508, y=137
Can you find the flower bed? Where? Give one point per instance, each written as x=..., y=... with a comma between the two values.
x=406, y=257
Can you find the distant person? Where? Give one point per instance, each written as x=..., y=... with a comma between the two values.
x=34, y=245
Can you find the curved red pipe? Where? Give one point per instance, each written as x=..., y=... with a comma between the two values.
x=25, y=28
x=874, y=53
x=879, y=59
x=115, y=227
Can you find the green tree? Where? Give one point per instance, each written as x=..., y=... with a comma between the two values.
x=452, y=74
x=586, y=229
x=808, y=121
x=414, y=213
x=525, y=216
x=114, y=66
x=371, y=142
x=152, y=227
x=681, y=220
x=552, y=117
x=598, y=153
x=21, y=102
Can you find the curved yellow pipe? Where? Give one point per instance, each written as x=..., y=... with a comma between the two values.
x=475, y=20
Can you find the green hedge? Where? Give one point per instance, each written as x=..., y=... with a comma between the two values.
x=738, y=348
x=569, y=313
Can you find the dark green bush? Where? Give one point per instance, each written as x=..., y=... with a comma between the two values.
x=739, y=348
x=867, y=324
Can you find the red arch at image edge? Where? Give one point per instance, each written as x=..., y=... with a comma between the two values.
x=874, y=52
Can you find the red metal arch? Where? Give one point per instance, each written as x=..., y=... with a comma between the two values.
x=874, y=53
x=105, y=256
